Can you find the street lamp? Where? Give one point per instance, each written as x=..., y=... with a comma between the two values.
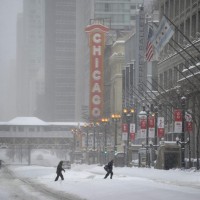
x=128, y=113
x=86, y=126
x=105, y=121
x=74, y=132
x=156, y=124
x=183, y=143
x=94, y=125
x=183, y=100
x=115, y=118
x=145, y=114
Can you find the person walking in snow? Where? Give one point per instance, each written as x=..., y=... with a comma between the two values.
x=109, y=169
x=59, y=171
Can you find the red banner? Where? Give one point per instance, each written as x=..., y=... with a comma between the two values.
x=132, y=136
x=161, y=127
x=161, y=132
x=189, y=126
x=124, y=128
x=177, y=115
x=143, y=123
x=151, y=121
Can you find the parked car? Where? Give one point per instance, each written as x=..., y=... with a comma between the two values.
x=66, y=164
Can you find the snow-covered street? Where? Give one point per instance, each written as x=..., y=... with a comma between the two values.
x=86, y=182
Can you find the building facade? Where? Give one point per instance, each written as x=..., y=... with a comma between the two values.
x=176, y=76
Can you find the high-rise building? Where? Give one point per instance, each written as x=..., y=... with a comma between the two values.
x=30, y=57
x=60, y=52
x=85, y=12
x=47, y=59
x=120, y=13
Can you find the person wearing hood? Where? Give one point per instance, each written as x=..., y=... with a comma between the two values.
x=109, y=169
x=59, y=171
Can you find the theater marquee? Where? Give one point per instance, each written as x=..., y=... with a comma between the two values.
x=97, y=44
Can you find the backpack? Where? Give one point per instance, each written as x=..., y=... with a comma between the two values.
x=106, y=167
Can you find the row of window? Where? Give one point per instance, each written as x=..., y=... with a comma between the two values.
x=34, y=128
x=169, y=78
x=174, y=7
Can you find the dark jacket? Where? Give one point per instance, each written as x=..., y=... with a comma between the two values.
x=110, y=166
x=59, y=168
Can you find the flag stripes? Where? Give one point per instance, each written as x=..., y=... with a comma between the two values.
x=149, y=51
x=149, y=47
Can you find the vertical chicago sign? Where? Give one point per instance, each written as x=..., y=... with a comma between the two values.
x=97, y=35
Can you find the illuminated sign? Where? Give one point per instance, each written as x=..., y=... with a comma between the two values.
x=97, y=44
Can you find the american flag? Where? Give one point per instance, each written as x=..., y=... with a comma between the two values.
x=149, y=48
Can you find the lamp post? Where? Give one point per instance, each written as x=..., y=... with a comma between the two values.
x=74, y=142
x=156, y=124
x=115, y=118
x=128, y=113
x=105, y=121
x=183, y=99
x=94, y=125
x=87, y=133
x=145, y=114
x=183, y=143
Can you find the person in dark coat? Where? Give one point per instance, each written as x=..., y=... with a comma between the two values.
x=59, y=171
x=109, y=169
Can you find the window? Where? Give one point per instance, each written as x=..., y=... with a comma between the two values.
x=175, y=76
x=165, y=80
x=170, y=78
x=21, y=128
x=194, y=20
x=161, y=80
x=107, y=9
x=31, y=129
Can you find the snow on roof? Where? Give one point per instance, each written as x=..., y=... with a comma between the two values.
x=27, y=121
x=119, y=42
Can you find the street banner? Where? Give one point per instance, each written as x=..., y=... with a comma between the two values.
x=125, y=128
x=132, y=128
x=161, y=128
x=124, y=132
x=178, y=121
x=177, y=115
x=143, y=124
x=132, y=137
x=143, y=127
x=97, y=37
x=188, y=118
x=189, y=127
x=124, y=136
x=151, y=125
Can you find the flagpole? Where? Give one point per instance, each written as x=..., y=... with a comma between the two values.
x=182, y=33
